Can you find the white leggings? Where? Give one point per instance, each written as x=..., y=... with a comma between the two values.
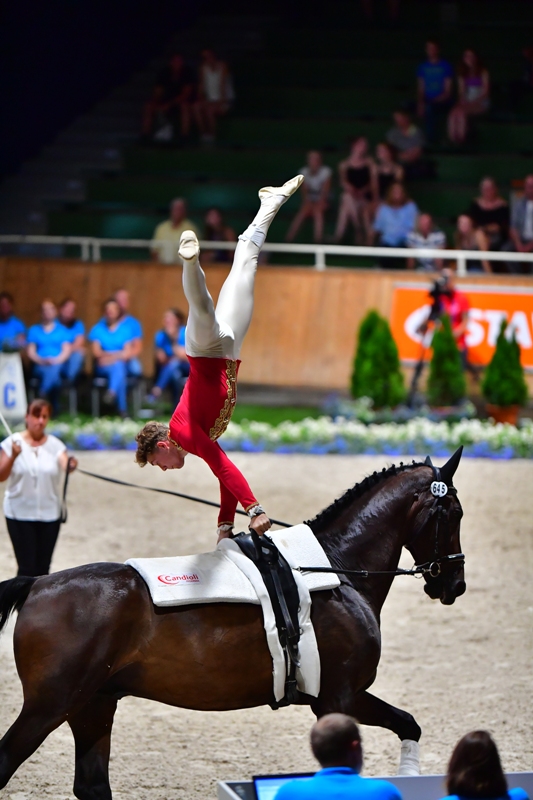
x=220, y=332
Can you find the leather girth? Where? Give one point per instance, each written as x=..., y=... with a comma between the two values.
x=283, y=592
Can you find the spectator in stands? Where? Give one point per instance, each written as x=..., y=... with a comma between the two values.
x=12, y=329
x=316, y=190
x=521, y=231
x=215, y=94
x=395, y=219
x=167, y=234
x=475, y=771
x=434, y=88
x=171, y=359
x=468, y=237
x=355, y=174
x=408, y=142
x=426, y=234
x=387, y=169
x=473, y=95
x=48, y=350
x=76, y=330
x=171, y=103
x=336, y=745
x=490, y=212
x=216, y=230
x=135, y=333
x=112, y=350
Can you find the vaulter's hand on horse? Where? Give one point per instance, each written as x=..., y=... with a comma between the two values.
x=260, y=524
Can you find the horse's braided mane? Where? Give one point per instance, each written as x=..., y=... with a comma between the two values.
x=337, y=507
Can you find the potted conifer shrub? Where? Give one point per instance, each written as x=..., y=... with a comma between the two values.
x=377, y=373
x=504, y=385
x=446, y=384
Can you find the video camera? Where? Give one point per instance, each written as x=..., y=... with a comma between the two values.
x=440, y=288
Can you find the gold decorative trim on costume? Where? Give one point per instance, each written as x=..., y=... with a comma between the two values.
x=252, y=505
x=173, y=441
x=229, y=403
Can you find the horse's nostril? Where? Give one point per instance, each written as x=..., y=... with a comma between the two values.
x=460, y=588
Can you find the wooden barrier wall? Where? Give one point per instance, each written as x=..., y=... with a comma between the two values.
x=304, y=325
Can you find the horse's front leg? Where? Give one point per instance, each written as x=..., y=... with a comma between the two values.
x=91, y=727
x=370, y=710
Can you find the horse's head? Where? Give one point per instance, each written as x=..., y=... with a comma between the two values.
x=434, y=543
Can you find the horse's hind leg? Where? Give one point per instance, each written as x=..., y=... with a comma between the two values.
x=36, y=720
x=91, y=727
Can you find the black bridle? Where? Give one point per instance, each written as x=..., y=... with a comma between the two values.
x=433, y=568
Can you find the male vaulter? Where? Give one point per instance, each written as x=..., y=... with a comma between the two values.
x=213, y=342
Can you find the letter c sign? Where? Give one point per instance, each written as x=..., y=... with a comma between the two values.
x=9, y=398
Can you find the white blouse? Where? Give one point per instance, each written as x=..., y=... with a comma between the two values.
x=33, y=491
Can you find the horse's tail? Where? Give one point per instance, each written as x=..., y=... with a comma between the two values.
x=13, y=595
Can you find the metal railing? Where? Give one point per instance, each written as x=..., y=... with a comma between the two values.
x=91, y=250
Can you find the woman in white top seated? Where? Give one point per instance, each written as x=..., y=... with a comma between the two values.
x=32, y=463
x=215, y=94
x=316, y=190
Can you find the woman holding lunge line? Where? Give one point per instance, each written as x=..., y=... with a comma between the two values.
x=213, y=342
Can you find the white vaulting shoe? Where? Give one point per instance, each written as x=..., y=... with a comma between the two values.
x=281, y=193
x=189, y=248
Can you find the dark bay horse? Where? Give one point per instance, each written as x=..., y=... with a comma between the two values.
x=87, y=636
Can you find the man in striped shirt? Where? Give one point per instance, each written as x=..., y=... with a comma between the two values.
x=425, y=235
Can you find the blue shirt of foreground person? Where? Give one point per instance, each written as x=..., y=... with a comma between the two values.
x=336, y=744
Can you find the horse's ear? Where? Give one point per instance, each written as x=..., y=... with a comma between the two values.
x=428, y=462
x=448, y=470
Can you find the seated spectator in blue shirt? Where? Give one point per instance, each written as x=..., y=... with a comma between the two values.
x=48, y=349
x=111, y=347
x=395, y=219
x=171, y=358
x=336, y=745
x=133, y=365
x=475, y=771
x=426, y=235
x=76, y=330
x=12, y=329
x=434, y=88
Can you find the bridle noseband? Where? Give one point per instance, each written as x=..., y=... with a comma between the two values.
x=439, y=489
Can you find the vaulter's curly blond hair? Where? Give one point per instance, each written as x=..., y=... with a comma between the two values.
x=147, y=439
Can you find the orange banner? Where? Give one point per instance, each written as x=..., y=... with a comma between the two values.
x=489, y=305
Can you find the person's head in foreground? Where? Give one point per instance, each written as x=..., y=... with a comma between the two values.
x=154, y=447
x=475, y=769
x=336, y=742
x=37, y=417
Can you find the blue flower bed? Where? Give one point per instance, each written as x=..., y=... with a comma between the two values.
x=417, y=436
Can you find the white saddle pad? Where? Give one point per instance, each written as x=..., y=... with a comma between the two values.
x=228, y=576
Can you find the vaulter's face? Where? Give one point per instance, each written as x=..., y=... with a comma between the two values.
x=166, y=456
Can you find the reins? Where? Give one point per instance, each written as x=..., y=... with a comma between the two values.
x=432, y=568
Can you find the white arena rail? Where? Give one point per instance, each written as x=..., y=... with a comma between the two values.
x=91, y=249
